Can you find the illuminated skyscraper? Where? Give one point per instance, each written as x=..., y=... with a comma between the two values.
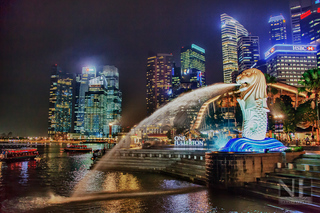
x=114, y=98
x=193, y=57
x=103, y=104
x=96, y=103
x=310, y=26
x=159, y=87
x=60, y=103
x=278, y=30
x=299, y=9
x=82, y=86
x=231, y=29
x=248, y=52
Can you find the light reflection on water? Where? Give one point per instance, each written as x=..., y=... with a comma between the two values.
x=26, y=187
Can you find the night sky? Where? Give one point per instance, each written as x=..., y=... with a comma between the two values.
x=34, y=35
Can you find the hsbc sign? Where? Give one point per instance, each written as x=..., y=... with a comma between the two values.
x=303, y=48
x=289, y=48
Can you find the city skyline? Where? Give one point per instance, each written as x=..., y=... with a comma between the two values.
x=34, y=38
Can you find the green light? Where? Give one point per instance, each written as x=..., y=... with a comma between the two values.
x=193, y=46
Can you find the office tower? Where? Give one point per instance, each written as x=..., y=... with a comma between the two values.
x=159, y=68
x=96, y=103
x=297, y=9
x=248, y=52
x=310, y=26
x=193, y=57
x=288, y=62
x=278, y=30
x=176, y=80
x=82, y=86
x=114, y=98
x=231, y=29
x=60, y=103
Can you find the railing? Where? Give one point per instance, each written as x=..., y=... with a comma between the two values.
x=170, y=154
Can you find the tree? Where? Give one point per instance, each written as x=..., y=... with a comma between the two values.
x=305, y=113
x=215, y=119
x=9, y=134
x=310, y=82
x=283, y=106
x=271, y=91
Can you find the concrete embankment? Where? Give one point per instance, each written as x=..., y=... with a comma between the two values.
x=184, y=164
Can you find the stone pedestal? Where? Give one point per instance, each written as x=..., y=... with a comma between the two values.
x=227, y=170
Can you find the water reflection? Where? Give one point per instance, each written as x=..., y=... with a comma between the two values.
x=25, y=186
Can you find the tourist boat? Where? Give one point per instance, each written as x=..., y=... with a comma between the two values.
x=77, y=148
x=18, y=154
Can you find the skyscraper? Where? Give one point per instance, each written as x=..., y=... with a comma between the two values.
x=297, y=9
x=82, y=86
x=159, y=73
x=96, y=103
x=310, y=26
x=60, y=103
x=114, y=98
x=231, y=29
x=193, y=57
x=248, y=52
x=278, y=30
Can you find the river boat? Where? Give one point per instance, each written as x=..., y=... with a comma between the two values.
x=18, y=154
x=77, y=148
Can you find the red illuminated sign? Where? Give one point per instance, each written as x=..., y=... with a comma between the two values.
x=318, y=10
x=310, y=48
x=306, y=14
x=272, y=50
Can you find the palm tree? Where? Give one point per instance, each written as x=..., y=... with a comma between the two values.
x=310, y=82
x=271, y=91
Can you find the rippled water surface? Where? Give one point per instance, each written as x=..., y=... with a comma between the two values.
x=45, y=186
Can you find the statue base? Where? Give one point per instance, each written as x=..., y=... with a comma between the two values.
x=249, y=145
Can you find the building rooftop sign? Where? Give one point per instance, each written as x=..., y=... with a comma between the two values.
x=193, y=46
x=290, y=48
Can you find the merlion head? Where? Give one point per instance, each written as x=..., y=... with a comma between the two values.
x=253, y=83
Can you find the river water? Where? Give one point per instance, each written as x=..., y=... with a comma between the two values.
x=45, y=186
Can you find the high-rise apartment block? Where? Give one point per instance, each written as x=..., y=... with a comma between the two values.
x=231, y=29
x=60, y=103
x=248, y=52
x=193, y=61
x=278, y=30
x=159, y=84
x=288, y=62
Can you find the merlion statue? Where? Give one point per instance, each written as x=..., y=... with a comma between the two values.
x=253, y=103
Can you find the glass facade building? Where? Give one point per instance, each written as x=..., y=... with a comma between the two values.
x=103, y=104
x=278, y=30
x=231, y=29
x=248, y=52
x=60, y=103
x=159, y=81
x=82, y=86
x=193, y=57
x=288, y=62
x=299, y=9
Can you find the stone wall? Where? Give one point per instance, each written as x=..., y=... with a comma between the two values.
x=225, y=170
